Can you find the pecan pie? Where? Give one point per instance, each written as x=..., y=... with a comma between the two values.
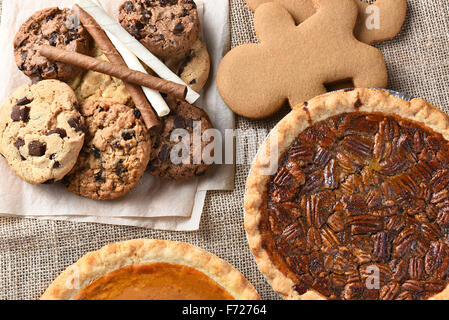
x=359, y=205
x=151, y=270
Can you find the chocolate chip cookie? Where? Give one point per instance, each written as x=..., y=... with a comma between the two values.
x=41, y=131
x=115, y=154
x=52, y=26
x=165, y=27
x=179, y=156
x=193, y=66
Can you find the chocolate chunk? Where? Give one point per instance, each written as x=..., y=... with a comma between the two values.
x=19, y=143
x=184, y=13
x=53, y=39
x=56, y=165
x=137, y=113
x=120, y=169
x=139, y=25
x=20, y=114
x=25, y=114
x=37, y=149
x=77, y=124
x=178, y=122
x=128, y=135
x=99, y=177
x=184, y=65
x=164, y=153
x=53, y=156
x=136, y=32
x=50, y=17
x=15, y=114
x=62, y=133
x=23, y=101
x=129, y=6
x=95, y=152
x=358, y=104
x=179, y=28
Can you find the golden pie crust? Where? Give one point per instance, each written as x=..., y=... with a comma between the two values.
x=368, y=101
x=146, y=261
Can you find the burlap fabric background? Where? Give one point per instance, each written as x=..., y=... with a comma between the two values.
x=33, y=253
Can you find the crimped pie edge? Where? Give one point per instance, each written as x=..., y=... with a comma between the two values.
x=289, y=128
x=116, y=255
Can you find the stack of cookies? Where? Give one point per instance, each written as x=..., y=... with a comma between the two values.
x=82, y=128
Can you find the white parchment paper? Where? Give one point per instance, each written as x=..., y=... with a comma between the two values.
x=154, y=203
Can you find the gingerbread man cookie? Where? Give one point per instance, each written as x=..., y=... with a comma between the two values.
x=295, y=62
x=379, y=21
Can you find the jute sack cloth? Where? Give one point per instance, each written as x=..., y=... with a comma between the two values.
x=33, y=253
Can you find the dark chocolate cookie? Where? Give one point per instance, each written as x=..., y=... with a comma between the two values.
x=52, y=26
x=115, y=153
x=193, y=122
x=165, y=27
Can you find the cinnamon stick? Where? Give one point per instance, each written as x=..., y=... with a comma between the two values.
x=119, y=71
x=104, y=43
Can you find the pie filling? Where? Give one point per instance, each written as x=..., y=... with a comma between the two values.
x=154, y=281
x=359, y=209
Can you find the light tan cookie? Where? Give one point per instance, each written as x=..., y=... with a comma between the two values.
x=115, y=154
x=96, y=86
x=192, y=67
x=389, y=13
x=41, y=131
x=294, y=63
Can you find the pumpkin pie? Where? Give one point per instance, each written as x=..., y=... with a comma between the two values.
x=358, y=205
x=151, y=270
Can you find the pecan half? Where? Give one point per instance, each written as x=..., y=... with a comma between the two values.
x=437, y=259
x=358, y=146
x=365, y=224
x=382, y=246
x=389, y=292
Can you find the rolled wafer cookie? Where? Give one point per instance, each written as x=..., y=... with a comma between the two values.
x=114, y=70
